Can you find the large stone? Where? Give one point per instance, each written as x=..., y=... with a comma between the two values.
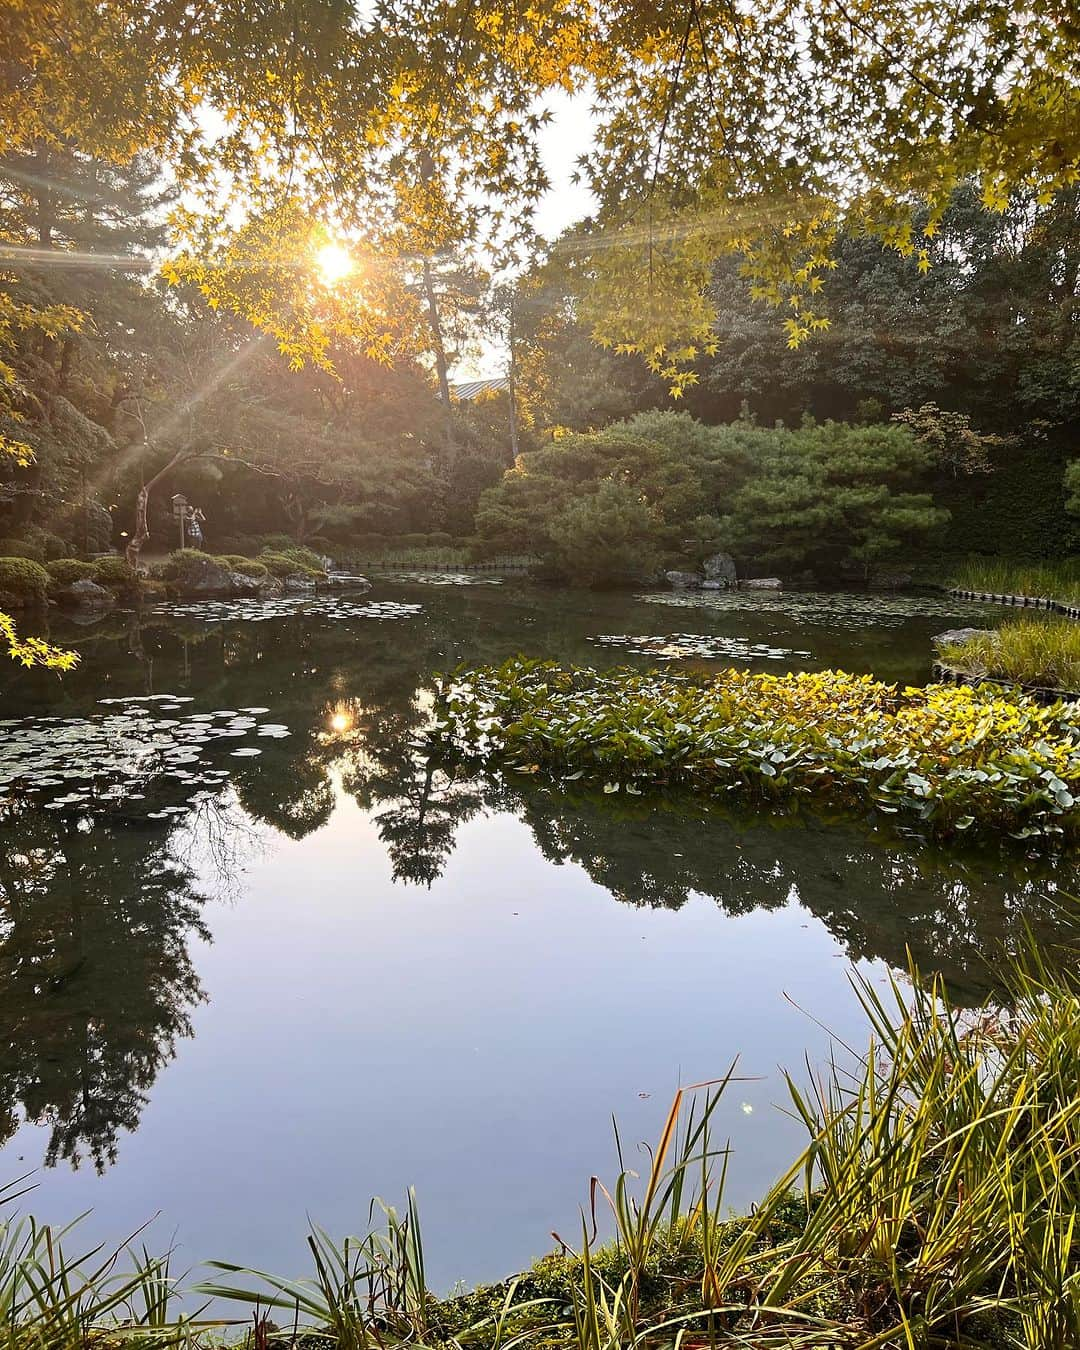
x=86, y=594
x=954, y=635
x=263, y=588
x=203, y=577
x=762, y=584
x=720, y=567
x=684, y=581
x=297, y=583
x=343, y=581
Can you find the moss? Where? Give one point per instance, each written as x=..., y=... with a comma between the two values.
x=246, y=567
x=24, y=579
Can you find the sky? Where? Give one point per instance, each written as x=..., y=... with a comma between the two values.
x=568, y=136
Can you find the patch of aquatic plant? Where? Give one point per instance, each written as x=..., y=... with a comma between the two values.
x=1038, y=651
x=1049, y=581
x=832, y=609
x=140, y=757
x=422, y=578
x=933, y=1204
x=703, y=646
x=952, y=758
x=334, y=607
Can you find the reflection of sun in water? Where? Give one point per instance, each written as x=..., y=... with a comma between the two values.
x=333, y=263
x=340, y=722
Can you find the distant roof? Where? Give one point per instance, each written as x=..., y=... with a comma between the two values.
x=474, y=388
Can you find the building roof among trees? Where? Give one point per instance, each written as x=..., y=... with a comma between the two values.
x=471, y=389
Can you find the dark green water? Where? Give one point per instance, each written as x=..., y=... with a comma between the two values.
x=240, y=988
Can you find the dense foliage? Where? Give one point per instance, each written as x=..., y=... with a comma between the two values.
x=955, y=759
x=661, y=486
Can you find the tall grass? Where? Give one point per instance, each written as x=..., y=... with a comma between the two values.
x=933, y=1205
x=1037, y=651
x=51, y=1299
x=1044, y=581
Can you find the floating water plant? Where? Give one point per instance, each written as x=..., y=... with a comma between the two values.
x=132, y=758
x=833, y=609
x=423, y=578
x=334, y=607
x=686, y=646
x=956, y=759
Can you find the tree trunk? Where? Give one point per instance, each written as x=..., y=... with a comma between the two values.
x=141, y=533
x=45, y=205
x=441, y=368
x=515, y=444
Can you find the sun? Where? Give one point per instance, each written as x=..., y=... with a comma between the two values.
x=333, y=264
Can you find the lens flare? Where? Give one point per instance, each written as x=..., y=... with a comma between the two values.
x=333, y=264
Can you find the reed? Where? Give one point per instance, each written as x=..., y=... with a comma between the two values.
x=1044, y=581
x=1041, y=652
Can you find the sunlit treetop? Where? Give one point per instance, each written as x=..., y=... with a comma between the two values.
x=765, y=129
x=762, y=128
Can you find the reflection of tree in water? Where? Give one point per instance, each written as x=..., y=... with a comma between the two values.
x=96, y=982
x=418, y=809
x=878, y=895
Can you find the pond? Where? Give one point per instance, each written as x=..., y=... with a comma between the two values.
x=259, y=960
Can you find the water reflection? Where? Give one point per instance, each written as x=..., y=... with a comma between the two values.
x=96, y=979
x=98, y=915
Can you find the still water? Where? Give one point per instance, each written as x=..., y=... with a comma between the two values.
x=260, y=960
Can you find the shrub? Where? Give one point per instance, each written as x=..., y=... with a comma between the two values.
x=440, y=539
x=413, y=541
x=606, y=538
x=22, y=548
x=27, y=581
x=301, y=559
x=318, y=544
x=822, y=498
x=953, y=758
x=289, y=565
x=275, y=543
x=238, y=545
x=53, y=546
x=374, y=540
x=187, y=567
x=246, y=567
x=64, y=571
x=116, y=573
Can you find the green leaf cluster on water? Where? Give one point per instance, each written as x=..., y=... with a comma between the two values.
x=933, y=1205
x=955, y=759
